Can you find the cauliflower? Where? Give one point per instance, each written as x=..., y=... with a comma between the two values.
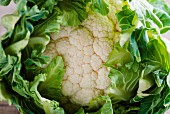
x=84, y=50
x=86, y=57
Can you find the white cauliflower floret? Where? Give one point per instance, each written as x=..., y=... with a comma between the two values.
x=84, y=50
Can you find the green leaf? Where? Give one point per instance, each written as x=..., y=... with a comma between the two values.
x=134, y=48
x=155, y=103
x=166, y=101
x=20, y=38
x=118, y=56
x=80, y=111
x=126, y=19
x=158, y=52
x=15, y=49
x=124, y=83
x=73, y=12
x=48, y=5
x=16, y=42
x=125, y=108
x=5, y=2
x=30, y=96
x=164, y=18
x=151, y=66
x=37, y=44
x=148, y=103
x=4, y=93
x=35, y=14
x=51, y=87
x=33, y=64
x=162, y=10
x=52, y=108
x=100, y=6
x=159, y=77
x=153, y=16
x=48, y=25
x=21, y=7
x=106, y=105
x=6, y=65
x=9, y=21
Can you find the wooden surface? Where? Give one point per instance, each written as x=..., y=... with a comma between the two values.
x=6, y=109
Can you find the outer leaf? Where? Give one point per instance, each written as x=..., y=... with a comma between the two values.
x=155, y=103
x=166, y=101
x=36, y=44
x=80, y=111
x=4, y=93
x=105, y=109
x=45, y=4
x=35, y=14
x=158, y=52
x=162, y=5
x=134, y=48
x=74, y=12
x=118, y=56
x=6, y=65
x=51, y=87
x=16, y=48
x=148, y=103
x=100, y=6
x=127, y=19
x=27, y=97
x=9, y=21
x=29, y=90
x=33, y=64
x=123, y=83
x=162, y=10
x=152, y=17
x=5, y=2
x=51, y=24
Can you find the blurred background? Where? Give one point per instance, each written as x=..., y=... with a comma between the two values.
x=4, y=107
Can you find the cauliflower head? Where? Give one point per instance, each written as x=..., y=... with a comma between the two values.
x=85, y=49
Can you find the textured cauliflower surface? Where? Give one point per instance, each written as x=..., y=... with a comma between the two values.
x=84, y=50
